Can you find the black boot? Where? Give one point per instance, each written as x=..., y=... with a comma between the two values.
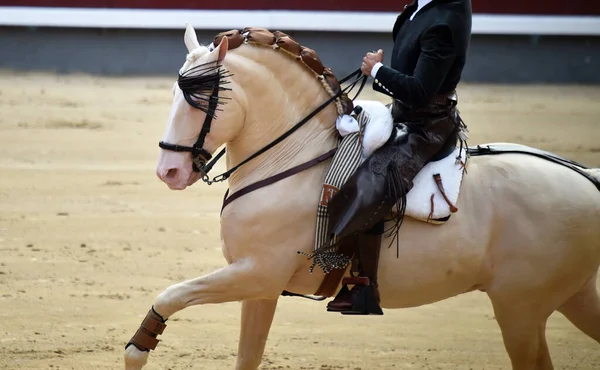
x=363, y=298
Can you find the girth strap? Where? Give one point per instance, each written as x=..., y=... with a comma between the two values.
x=273, y=179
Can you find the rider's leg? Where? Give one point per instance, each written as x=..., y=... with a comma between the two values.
x=383, y=181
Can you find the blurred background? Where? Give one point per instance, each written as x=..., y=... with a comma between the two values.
x=89, y=236
x=513, y=40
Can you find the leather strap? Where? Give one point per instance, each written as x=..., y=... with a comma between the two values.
x=273, y=179
x=438, y=180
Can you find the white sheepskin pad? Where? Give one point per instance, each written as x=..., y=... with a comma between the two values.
x=418, y=200
x=379, y=128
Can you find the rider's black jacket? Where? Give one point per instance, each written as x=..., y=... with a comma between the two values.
x=429, y=52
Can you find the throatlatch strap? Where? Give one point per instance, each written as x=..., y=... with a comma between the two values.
x=145, y=337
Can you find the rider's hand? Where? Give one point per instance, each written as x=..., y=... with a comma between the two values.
x=370, y=60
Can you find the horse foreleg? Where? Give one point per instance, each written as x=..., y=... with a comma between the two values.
x=257, y=316
x=243, y=280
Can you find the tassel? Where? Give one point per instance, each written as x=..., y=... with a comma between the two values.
x=397, y=192
x=432, y=203
x=327, y=258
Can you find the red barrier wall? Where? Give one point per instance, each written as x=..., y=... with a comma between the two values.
x=542, y=7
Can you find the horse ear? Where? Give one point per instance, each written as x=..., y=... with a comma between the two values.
x=190, y=39
x=222, y=49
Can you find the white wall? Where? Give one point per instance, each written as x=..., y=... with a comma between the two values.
x=334, y=21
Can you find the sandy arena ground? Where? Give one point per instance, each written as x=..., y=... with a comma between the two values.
x=89, y=236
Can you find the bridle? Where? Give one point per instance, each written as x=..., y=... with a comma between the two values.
x=201, y=157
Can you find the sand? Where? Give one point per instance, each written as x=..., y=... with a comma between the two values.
x=89, y=236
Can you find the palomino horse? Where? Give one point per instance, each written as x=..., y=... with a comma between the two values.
x=527, y=233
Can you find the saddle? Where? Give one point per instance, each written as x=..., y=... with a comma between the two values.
x=380, y=188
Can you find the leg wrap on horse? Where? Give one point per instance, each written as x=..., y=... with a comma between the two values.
x=145, y=337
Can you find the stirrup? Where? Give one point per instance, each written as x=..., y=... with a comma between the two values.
x=365, y=303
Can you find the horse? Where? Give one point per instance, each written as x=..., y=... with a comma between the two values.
x=527, y=233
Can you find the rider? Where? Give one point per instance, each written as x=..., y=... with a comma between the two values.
x=431, y=39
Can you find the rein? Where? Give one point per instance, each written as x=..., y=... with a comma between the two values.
x=225, y=175
x=200, y=156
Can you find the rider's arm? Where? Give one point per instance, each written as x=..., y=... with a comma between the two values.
x=375, y=69
x=436, y=58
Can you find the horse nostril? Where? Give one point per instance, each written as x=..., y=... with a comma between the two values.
x=172, y=173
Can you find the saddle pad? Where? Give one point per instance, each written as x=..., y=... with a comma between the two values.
x=425, y=201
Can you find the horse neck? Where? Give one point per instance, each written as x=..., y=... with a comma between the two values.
x=279, y=93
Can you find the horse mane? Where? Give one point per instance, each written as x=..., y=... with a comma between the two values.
x=281, y=42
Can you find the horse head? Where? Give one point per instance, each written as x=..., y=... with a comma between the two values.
x=243, y=90
x=198, y=96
